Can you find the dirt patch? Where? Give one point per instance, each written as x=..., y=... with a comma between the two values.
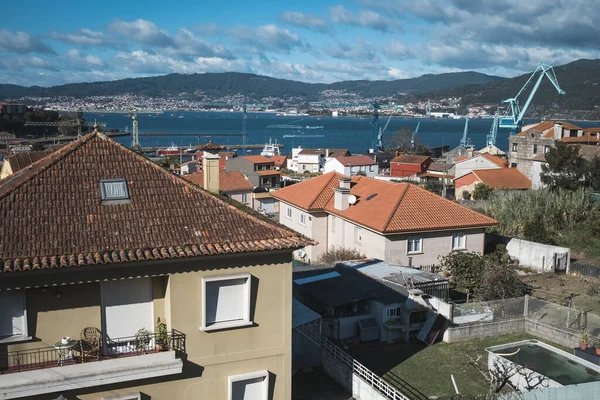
x=558, y=288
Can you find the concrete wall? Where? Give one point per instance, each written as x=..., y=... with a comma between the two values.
x=531, y=254
x=315, y=227
x=479, y=331
x=347, y=326
x=584, y=391
x=536, y=172
x=551, y=333
x=361, y=390
x=371, y=245
x=338, y=371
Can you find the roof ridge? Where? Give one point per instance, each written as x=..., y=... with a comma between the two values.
x=31, y=168
x=400, y=198
x=335, y=174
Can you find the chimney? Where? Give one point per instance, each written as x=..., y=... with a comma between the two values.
x=397, y=153
x=558, y=131
x=210, y=166
x=326, y=153
x=341, y=194
x=470, y=152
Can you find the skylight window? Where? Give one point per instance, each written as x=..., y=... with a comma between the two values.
x=114, y=190
x=371, y=196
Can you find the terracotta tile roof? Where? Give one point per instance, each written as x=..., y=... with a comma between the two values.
x=356, y=160
x=268, y=172
x=404, y=207
x=503, y=178
x=440, y=166
x=229, y=181
x=410, y=159
x=19, y=161
x=398, y=207
x=51, y=214
x=258, y=159
x=589, y=137
x=312, y=194
x=547, y=128
x=501, y=162
x=278, y=160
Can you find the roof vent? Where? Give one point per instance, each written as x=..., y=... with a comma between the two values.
x=371, y=196
x=114, y=191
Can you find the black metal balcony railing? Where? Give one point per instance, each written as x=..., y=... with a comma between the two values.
x=48, y=357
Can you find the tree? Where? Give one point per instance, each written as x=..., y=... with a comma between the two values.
x=564, y=169
x=466, y=195
x=482, y=192
x=401, y=142
x=434, y=186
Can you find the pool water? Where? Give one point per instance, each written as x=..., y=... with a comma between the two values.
x=548, y=363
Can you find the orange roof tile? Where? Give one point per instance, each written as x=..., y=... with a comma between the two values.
x=503, y=178
x=404, y=207
x=278, y=160
x=546, y=128
x=229, y=181
x=312, y=194
x=268, y=172
x=356, y=160
x=410, y=159
x=501, y=162
x=52, y=215
x=258, y=159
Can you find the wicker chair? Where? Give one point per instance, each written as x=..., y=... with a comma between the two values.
x=90, y=343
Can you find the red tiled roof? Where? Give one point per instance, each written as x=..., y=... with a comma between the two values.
x=229, y=181
x=410, y=159
x=499, y=161
x=503, y=178
x=268, y=172
x=356, y=160
x=398, y=207
x=547, y=128
x=278, y=160
x=19, y=161
x=52, y=216
x=312, y=194
x=404, y=207
x=258, y=159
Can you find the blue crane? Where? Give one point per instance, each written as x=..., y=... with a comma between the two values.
x=413, y=138
x=375, y=124
x=491, y=137
x=380, y=134
x=466, y=141
x=513, y=116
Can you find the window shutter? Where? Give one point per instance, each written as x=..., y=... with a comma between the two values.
x=225, y=300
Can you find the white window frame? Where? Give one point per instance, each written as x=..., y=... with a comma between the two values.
x=415, y=239
x=25, y=335
x=251, y=375
x=244, y=197
x=515, y=147
x=393, y=312
x=457, y=236
x=357, y=234
x=288, y=212
x=302, y=218
x=546, y=149
x=245, y=321
x=128, y=396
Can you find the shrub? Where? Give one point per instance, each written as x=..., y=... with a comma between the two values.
x=466, y=195
x=336, y=254
x=482, y=192
x=433, y=186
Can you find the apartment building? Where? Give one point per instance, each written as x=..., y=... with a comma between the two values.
x=93, y=254
x=399, y=223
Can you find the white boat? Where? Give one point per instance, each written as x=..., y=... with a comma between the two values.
x=271, y=149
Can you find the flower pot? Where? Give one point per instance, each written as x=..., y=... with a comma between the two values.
x=598, y=351
x=583, y=346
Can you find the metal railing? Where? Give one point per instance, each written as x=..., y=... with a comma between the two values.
x=48, y=357
x=362, y=372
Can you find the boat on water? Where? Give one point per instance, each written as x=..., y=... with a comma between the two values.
x=271, y=149
x=173, y=150
x=313, y=127
x=291, y=113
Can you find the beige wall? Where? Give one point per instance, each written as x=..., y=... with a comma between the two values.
x=237, y=196
x=342, y=234
x=211, y=356
x=464, y=167
x=315, y=228
x=6, y=170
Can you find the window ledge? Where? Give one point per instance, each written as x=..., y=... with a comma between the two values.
x=412, y=253
x=16, y=339
x=460, y=249
x=226, y=325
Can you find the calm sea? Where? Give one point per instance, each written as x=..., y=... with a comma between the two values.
x=190, y=128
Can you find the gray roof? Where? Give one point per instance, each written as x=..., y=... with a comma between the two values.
x=302, y=315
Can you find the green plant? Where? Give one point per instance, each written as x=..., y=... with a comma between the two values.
x=161, y=333
x=482, y=192
x=336, y=254
x=466, y=195
x=584, y=337
x=142, y=340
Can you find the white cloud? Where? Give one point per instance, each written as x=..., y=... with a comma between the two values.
x=22, y=42
x=21, y=63
x=365, y=19
x=75, y=59
x=142, y=31
x=86, y=37
x=307, y=21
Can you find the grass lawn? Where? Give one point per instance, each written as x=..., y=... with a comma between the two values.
x=428, y=368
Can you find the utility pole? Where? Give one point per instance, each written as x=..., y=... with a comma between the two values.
x=135, y=142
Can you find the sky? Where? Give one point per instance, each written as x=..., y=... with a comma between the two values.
x=51, y=43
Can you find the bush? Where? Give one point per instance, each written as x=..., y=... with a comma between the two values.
x=466, y=195
x=434, y=186
x=336, y=254
x=482, y=192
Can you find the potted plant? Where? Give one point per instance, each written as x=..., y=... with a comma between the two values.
x=584, y=340
x=597, y=346
x=161, y=336
x=142, y=340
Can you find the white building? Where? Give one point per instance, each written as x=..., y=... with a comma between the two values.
x=352, y=165
x=312, y=160
x=465, y=165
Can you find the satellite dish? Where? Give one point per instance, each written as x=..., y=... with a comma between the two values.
x=352, y=199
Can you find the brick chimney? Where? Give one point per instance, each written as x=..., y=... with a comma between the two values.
x=558, y=130
x=341, y=194
x=210, y=166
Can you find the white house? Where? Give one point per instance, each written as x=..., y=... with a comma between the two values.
x=352, y=165
x=312, y=160
x=465, y=165
x=399, y=223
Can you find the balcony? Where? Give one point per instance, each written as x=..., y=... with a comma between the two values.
x=47, y=370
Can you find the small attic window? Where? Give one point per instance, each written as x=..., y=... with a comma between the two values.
x=371, y=196
x=114, y=190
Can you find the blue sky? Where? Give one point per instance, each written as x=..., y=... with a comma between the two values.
x=49, y=43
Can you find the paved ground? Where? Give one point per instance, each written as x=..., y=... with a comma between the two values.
x=316, y=385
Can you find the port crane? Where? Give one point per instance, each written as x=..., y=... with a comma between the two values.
x=72, y=122
x=413, y=138
x=513, y=116
x=465, y=141
x=133, y=113
x=491, y=137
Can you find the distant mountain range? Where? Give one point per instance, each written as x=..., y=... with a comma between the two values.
x=217, y=85
x=580, y=79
